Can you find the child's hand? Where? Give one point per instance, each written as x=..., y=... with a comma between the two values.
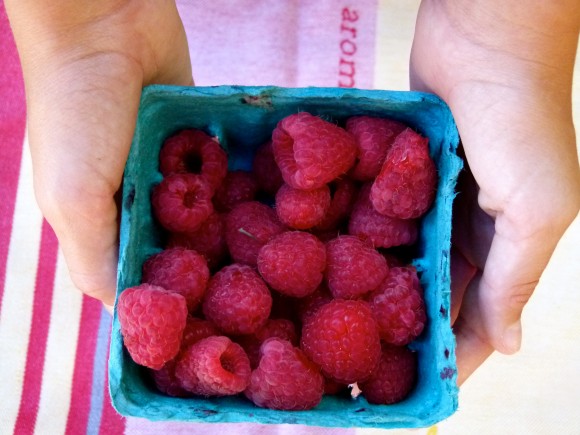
x=84, y=67
x=506, y=74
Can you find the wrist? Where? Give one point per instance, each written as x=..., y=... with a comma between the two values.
x=543, y=35
x=461, y=43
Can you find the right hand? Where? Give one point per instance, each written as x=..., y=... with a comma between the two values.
x=84, y=66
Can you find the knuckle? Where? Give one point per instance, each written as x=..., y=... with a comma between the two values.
x=65, y=204
x=93, y=288
x=519, y=296
x=537, y=217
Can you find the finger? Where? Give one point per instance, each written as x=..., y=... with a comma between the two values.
x=511, y=274
x=473, y=229
x=473, y=347
x=462, y=273
x=471, y=352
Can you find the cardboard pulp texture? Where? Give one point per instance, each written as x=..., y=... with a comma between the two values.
x=243, y=118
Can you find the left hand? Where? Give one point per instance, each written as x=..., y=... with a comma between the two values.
x=509, y=88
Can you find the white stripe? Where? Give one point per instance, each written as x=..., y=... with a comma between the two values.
x=16, y=314
x=55, y=393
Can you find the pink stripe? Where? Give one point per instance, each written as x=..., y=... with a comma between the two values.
x=83, y=375
x=12, y=125
x=38, y=332
x=322, y=43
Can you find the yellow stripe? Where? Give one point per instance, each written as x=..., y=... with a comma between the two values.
x=16, y=314
x=373, y=431
x=394, y=35
x=61, y=348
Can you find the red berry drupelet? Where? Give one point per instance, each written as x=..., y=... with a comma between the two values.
x=302, y=209
x=214, y=366
x=310, y=151
x=381, y=231
x=398, y=306
x=343, y=339
x=208, y=240
x=237, y=300
x=182, y=202
x=249, y=226
x=374, y=137
x=394, y=378
x=266, y=170
x=406, y=185
x=180, y=270
x=293, y=263
x=152, y=321
x=166, y=382
x=342, y=197
x=164, y=378
x=194, y=152
x=308, y=305
x=197, y=329
x=237, y=187
x=283, y=329
x=353, y=267
x=285, y=378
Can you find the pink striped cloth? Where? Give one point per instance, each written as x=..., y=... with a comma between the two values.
x=53, y=341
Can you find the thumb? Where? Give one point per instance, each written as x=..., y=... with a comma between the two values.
x=81, y=122
x=83, y=70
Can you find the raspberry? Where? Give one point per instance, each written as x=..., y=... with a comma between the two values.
x=285, y=378
x=284, y=307
x=164, y=378
x=283, y=329
x=302, y=209
x=394, y=378
x=308, y=305
x=293, y=263
x=393, y=260
x=214, y=366
x=398, y=306
x=333, y=388
x=353, y=268
x=374, y=137
x=328, y=235
x=381, y=231
x=249, y=226
x=342, y=196
x=405, y=187
x=193, y=151
x=208, y=240
x=152, y=321
x=237, y=187
x=237, y=300
x=166, y=382
x=180, y=270
x=182, y=202
x=342, y=338
x=197, y=329
x=310, y=151
x=266, y=170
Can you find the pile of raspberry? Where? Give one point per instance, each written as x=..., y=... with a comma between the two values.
x=281, y=283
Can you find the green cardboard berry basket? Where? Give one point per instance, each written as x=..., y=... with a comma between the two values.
x=243, y=118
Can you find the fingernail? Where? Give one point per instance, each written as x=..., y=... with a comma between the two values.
x=512, y=338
